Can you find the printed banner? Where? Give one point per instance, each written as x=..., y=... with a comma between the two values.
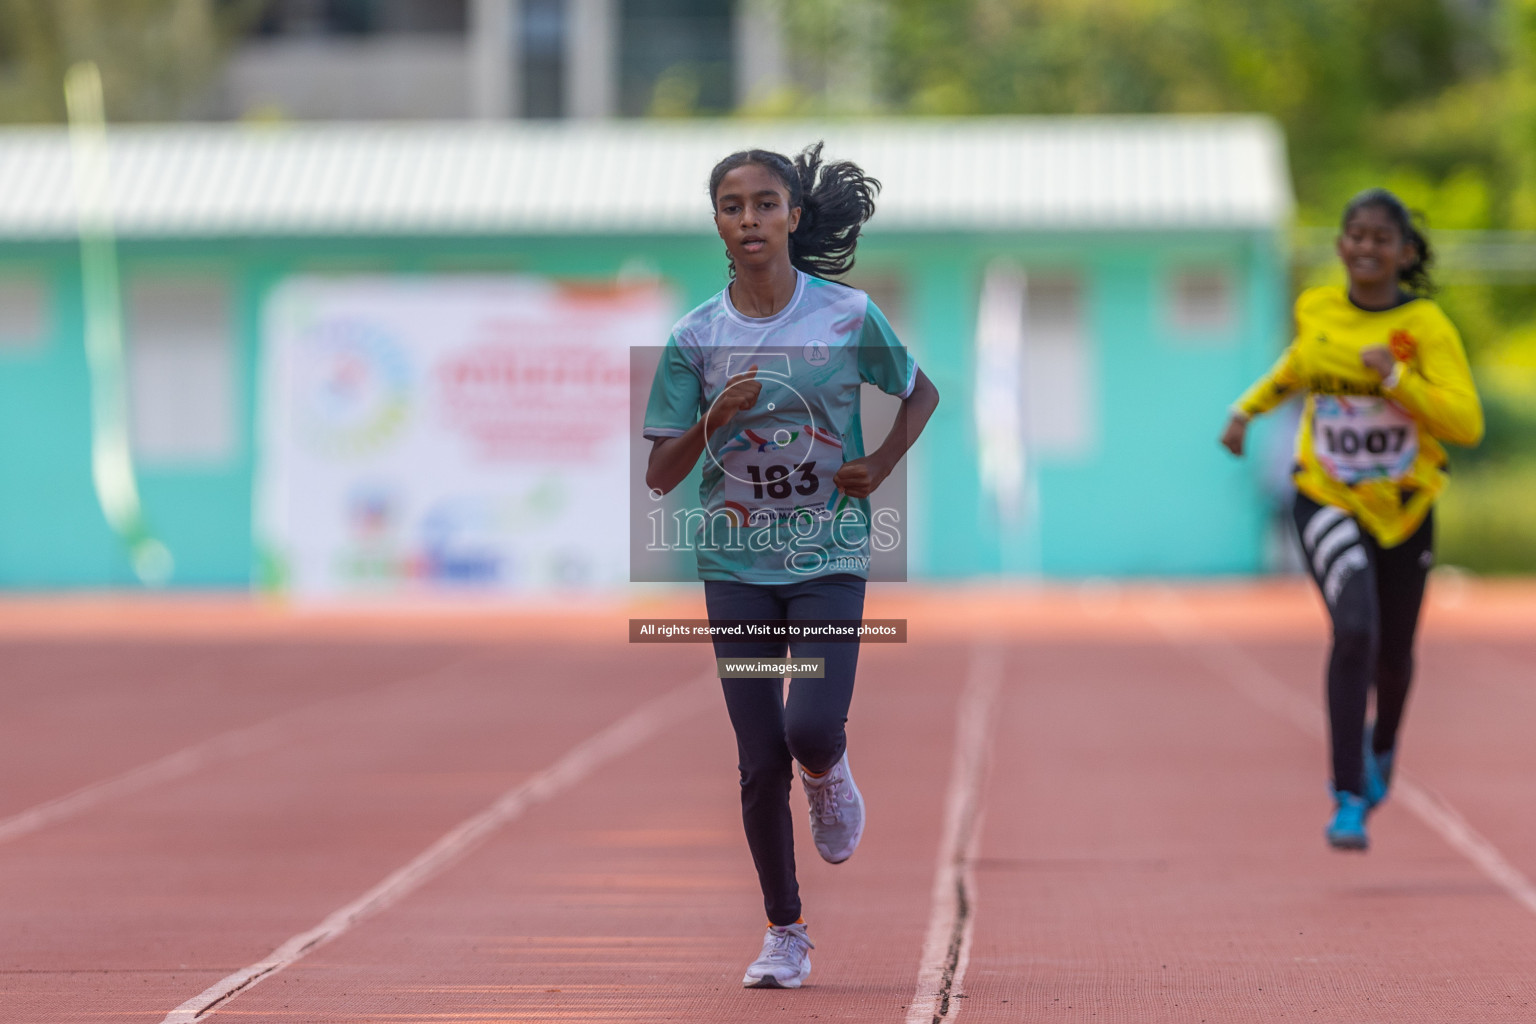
x=447, y=435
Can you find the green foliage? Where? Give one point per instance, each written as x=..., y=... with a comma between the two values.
x=1434, y=99
x=1486, y=520
x=1328, y=70
x=836, y=54
x=156, y=56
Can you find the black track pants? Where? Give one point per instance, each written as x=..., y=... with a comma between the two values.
x=1373, y=596
x=772, y=732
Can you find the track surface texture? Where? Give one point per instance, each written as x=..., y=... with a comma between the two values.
x=1099, y=804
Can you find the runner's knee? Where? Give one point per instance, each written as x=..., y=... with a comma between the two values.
x=1354, y=643
x=816, y=745
x=1394, y=664
x=765, y=772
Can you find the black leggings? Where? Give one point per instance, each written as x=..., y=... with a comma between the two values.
x=1373, y=596
x=771, y=734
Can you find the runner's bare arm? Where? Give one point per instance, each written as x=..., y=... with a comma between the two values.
x=859, y=478
x=1280, y=383
x=1379, y=360
x=673, y=458
x=1236, y=431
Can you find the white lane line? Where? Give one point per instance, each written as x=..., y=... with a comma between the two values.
x=947, y=946
x=226, y=746
x=1434, y=811
x=1267, y=690
x=646, y=721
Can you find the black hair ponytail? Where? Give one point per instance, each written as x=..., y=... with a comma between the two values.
x=835, y=200
x=1416, y=274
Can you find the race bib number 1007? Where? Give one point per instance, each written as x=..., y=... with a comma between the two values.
x=1360, y=439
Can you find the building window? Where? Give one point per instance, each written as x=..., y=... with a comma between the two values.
x=1060, y=412
x=361, y=17
x=544, y=30
x=181, y=371
x=675, y=58
x=23, y=312
x=1202, y=301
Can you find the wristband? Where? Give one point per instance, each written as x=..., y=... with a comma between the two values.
x=1392, y=379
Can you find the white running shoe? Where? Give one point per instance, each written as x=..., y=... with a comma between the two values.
x=785, y=960
x=837, y=812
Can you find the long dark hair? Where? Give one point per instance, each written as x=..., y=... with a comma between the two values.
x=1416, y=274
x=835, y=200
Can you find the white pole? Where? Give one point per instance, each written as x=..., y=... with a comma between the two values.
x=591, y=58
x=999, y=400
x=495, y=59
x=112, y=471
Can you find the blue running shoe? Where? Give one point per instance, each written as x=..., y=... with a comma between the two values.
x=1347, y=829
x=1378, y=772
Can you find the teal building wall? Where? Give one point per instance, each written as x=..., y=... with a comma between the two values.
x=1155, y=495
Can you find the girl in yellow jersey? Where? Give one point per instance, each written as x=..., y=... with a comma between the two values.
x=1386, y=382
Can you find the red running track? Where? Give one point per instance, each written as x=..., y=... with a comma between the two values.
x=187, y=794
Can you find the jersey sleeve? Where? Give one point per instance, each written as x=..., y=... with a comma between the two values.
x=883, y=360
x=1283, y=379
x=1281, y=382
x=676, y=394
x=1439, y=391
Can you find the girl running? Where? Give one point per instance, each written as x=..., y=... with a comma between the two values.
x=1386, y=381
x=763, y=382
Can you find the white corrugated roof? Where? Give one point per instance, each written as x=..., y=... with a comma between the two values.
x=628, y=177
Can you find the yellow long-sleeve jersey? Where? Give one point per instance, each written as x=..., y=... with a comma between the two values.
x=1369, y=446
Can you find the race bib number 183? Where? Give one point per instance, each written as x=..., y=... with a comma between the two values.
x=779, y=474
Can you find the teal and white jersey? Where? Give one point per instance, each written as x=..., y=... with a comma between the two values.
x=768, y=512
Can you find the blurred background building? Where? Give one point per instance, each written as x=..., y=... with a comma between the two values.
x=372, y=59
x=1138, y=266
x=1093, y=222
